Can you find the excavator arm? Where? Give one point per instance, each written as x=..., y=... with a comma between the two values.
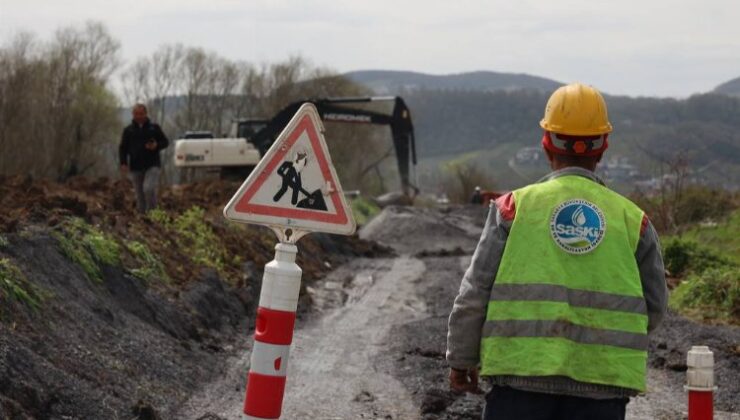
x=335, y=110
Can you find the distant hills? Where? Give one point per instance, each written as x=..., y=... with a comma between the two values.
x=385, y=82
x=731, y=87
x=490, y=117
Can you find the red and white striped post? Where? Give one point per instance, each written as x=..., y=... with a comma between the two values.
x=700, y=383
x=273, y=334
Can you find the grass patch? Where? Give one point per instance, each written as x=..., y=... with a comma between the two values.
x=194, y=237
x=710, y=289
x=722, y=236
x=363, y=210
x=159, y=217
x=198, y=240
x=713, y=294
x=149, y=267
x=682, y=257
x=14, y=286
x=87, y=246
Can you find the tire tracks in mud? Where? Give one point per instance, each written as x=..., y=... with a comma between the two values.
x=331, y=372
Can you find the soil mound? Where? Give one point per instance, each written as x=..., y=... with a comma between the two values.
x=410, y=230
x=107, y=313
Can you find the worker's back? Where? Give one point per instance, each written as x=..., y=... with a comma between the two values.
x=567, y=299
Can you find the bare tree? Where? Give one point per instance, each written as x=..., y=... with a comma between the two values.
x=461, y=178
x=165, y=63
x=56, y=111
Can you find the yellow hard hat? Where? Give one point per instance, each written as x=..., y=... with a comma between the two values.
x=576, y=110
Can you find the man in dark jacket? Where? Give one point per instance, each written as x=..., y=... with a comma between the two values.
x=139, y=156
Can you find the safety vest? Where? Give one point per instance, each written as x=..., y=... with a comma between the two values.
x=567, y=299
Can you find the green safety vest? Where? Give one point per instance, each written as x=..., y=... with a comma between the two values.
x=567, y=299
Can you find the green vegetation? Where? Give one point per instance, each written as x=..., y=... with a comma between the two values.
x=712, y=294
x=706, y=258
x=722, y=236
x=682, y=257
x=87, y=246
x=198, y=240
x=149, y=267
x=160, y=217
x=194, y=236
x=15, y=287
x=363, y=210
x=4, y=241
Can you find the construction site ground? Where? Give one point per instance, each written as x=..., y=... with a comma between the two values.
x=372, y=344
x=369, y=341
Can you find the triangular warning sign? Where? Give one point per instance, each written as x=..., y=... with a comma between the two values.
x=295, y=185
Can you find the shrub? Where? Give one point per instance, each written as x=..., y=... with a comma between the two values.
x=711, y=294
x=682, y=257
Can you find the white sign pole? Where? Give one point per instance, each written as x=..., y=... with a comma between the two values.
x=273, y=334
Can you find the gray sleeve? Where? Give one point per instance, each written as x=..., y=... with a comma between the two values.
x=652, y=275
x=469, y=310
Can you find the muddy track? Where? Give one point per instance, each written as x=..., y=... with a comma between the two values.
x=372, y=345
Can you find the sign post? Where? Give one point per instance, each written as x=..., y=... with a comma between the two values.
x=294, y=190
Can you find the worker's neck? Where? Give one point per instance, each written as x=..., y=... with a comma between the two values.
x=556, y=166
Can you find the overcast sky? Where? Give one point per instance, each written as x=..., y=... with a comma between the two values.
x=632, y=47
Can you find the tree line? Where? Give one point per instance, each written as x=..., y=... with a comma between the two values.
x=60, y=115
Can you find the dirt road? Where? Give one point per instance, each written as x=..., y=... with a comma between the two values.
x=372, y=346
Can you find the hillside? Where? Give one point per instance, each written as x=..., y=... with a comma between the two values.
x=493, y=127
x=731, y=87
x=389, y=82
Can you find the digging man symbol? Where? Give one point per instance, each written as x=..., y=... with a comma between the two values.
x=290, y=172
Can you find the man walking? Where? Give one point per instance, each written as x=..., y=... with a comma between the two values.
x=139, y=156
x=565, y=284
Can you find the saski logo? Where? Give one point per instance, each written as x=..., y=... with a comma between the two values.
x=577, y=226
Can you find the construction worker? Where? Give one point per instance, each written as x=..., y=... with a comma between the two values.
x=565, y=284
x=141, y=142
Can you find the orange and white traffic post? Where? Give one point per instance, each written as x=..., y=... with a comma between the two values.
x=294, y=190
x=700, y=383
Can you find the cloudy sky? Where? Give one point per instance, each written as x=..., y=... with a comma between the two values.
x=632, y=47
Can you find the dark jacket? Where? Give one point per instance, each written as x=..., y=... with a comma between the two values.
x=132, y=151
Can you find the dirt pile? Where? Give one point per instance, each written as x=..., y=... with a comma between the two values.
x=106, y=313
x=109, y=206
x=410, y=230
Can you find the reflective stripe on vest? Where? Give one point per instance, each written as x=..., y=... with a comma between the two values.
x=575, y=314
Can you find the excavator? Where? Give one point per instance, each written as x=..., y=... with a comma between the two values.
x=249, y=139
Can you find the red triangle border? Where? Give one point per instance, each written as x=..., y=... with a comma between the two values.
x=339, y=218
